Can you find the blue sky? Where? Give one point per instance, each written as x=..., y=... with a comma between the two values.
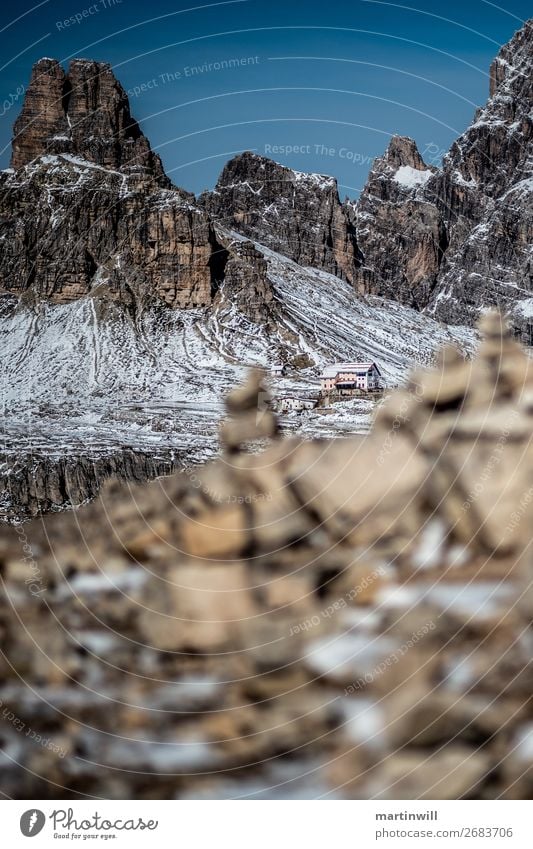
x=317, y=86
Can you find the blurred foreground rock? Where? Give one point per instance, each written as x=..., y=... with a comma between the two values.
x=345, y=618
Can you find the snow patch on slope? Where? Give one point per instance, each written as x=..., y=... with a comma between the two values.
x=410, y=177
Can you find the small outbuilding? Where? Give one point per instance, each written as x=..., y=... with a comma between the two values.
x=295, y=403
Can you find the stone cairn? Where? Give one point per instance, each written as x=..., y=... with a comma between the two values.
x=342, y=618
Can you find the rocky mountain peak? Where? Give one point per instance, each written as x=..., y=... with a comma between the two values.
x=255, y=170
x=83, y=112
x=118, y=231
x=400, y=170
x=456, y=240
x=401, y=237
x=297, y=214
x=485, y=194
x=512, y=66
x=402, y=151
x=494, y=151
x=43, y=116
x=247, y=165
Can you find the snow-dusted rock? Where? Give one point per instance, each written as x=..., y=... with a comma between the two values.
x=401, y=236
x=297, y=214
x=458, y=240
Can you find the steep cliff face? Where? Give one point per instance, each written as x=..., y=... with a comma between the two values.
x=246, y=286
x=458, y=239
x=31, y=485
x=400, y=233
x=485, y=191
x=84, y=112
x=87, y=208
x=297, y=214
x=71, y=228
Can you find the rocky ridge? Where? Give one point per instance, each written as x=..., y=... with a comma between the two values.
x=450, y=240
x=457, y=239
x=296, y=214
x=86, y=208
x=447, y=240
x=83, y=112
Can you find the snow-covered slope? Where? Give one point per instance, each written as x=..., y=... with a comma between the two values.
x=86, y=373
x=70, y=353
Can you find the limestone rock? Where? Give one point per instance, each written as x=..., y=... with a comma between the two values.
x=454, y=240
x=246, y=284
x=85, y=113
x=297, y=214
x=401, y=236
x=88, y=208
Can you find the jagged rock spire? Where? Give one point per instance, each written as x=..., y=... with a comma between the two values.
x=296, y=214
x=455, y=240
x=84, y=112
x=402, y=151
